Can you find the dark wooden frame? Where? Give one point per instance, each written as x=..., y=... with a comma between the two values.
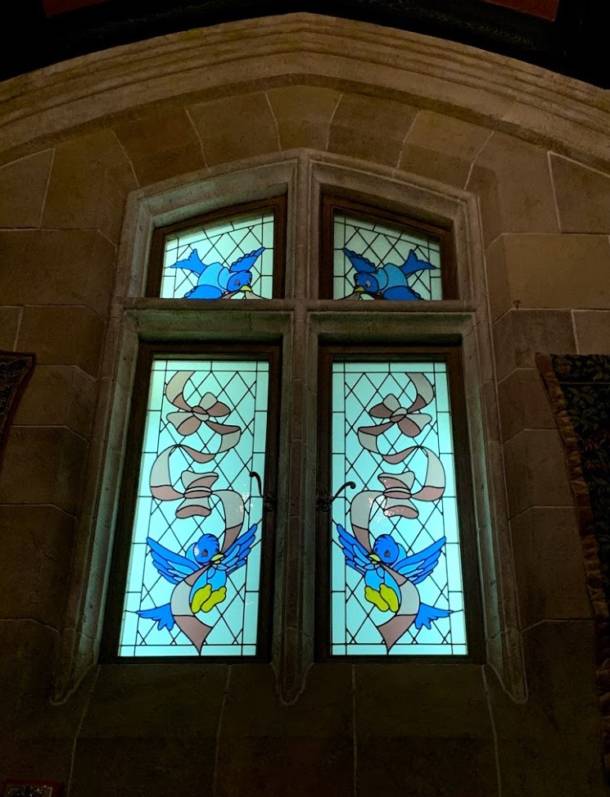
x=451, y=356
x=276, y=204
x=391, y=214
x=131, y=470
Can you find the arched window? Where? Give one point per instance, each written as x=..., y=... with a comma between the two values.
x=342, y=370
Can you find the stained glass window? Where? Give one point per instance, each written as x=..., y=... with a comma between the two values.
x=195, y=557
x=231, y=258
x=373, y=259
x=396, y=576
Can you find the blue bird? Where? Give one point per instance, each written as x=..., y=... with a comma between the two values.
x=199, y=580
x=390, y=577
x=388, y=281
x=216, y=281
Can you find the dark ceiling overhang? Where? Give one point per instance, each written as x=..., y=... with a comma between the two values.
x=566, y=36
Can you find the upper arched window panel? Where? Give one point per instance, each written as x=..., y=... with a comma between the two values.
x=235, y=253
x=370, y=253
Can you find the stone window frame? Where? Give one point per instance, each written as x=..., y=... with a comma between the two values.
x=301, y=175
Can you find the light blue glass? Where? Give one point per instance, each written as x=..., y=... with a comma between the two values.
x=194, y=568
x=230, y=259
x=396, y=575
x=374, y=260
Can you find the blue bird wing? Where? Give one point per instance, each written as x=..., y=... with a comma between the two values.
x=413, y=263
x=427, y=615
x=172, y=566
x=191, y=263
x=204, y=292
x=355, y=553
x=359, y=262
x=237, y=553
x=245, y=262
x=419, y=566
x=400, y=292
x=162, y=615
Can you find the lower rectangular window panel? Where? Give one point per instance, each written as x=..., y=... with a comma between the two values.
x=195, y=556
x=395, y=566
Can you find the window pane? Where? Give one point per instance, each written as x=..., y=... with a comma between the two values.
x=228, y=259
x=374, y=260
x=194, y=567
x=396, y=578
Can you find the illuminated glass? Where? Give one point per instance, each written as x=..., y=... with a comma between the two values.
x=374, y=260
x=396, y=577
x=229, y=259
x=195, y=557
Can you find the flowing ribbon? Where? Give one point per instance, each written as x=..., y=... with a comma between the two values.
x=188, y=419
x=410, y=422
x=197, y=487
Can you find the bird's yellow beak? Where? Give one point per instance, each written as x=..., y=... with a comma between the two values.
x=218, y=557
x=374, y=558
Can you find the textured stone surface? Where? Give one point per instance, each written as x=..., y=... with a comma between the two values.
x=523, y=403
x=519, y=334
x=41, y=538
x=62, y=336
x=370, y=128
x=161, y=142
x=235, y=127
x=536, y=471
x=513, y=182
x=583, y=196
x=23, y=186
x=303, y=115
x=558, y=270
x=592, y=331
x=43, y=466
x=58, y=395
x=56, y=267
x=441, y=147
x=89, y=182
x=262, y=749
x=548, y=553
x=10, y=318
x=551, y=745
x=406, y=734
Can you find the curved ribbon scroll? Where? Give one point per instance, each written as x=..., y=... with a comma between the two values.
x=190, y=417
x=197, y=486
x=408, y=419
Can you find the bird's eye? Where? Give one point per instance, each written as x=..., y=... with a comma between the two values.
x=205, y=553
x=386, y=554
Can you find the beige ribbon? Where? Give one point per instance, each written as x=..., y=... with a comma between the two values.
x=189, y=418
x=410, y=422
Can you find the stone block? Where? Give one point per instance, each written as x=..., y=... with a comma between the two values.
x=549, y=565
x=523, y=403
x=236, y=127
x=63, y=336
x=264, y=743
x=148, y=701
x=56, y=267
x=519, y=334
x=58, y=395
x=161, y=143
x=426, y=725
x=513, y=182
x=25, y=674
x=23, y=185
x=36, y=544
x=370, y=128
x=442, y=147
x=497, y=279
x=558, y=270
x=135, y=767
x=90, y=179
x=10, y=318
x=583, y=196
x=43, y=466
x=536, y=471
x=551, y=744
x=303, y=115
x=592, y=329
